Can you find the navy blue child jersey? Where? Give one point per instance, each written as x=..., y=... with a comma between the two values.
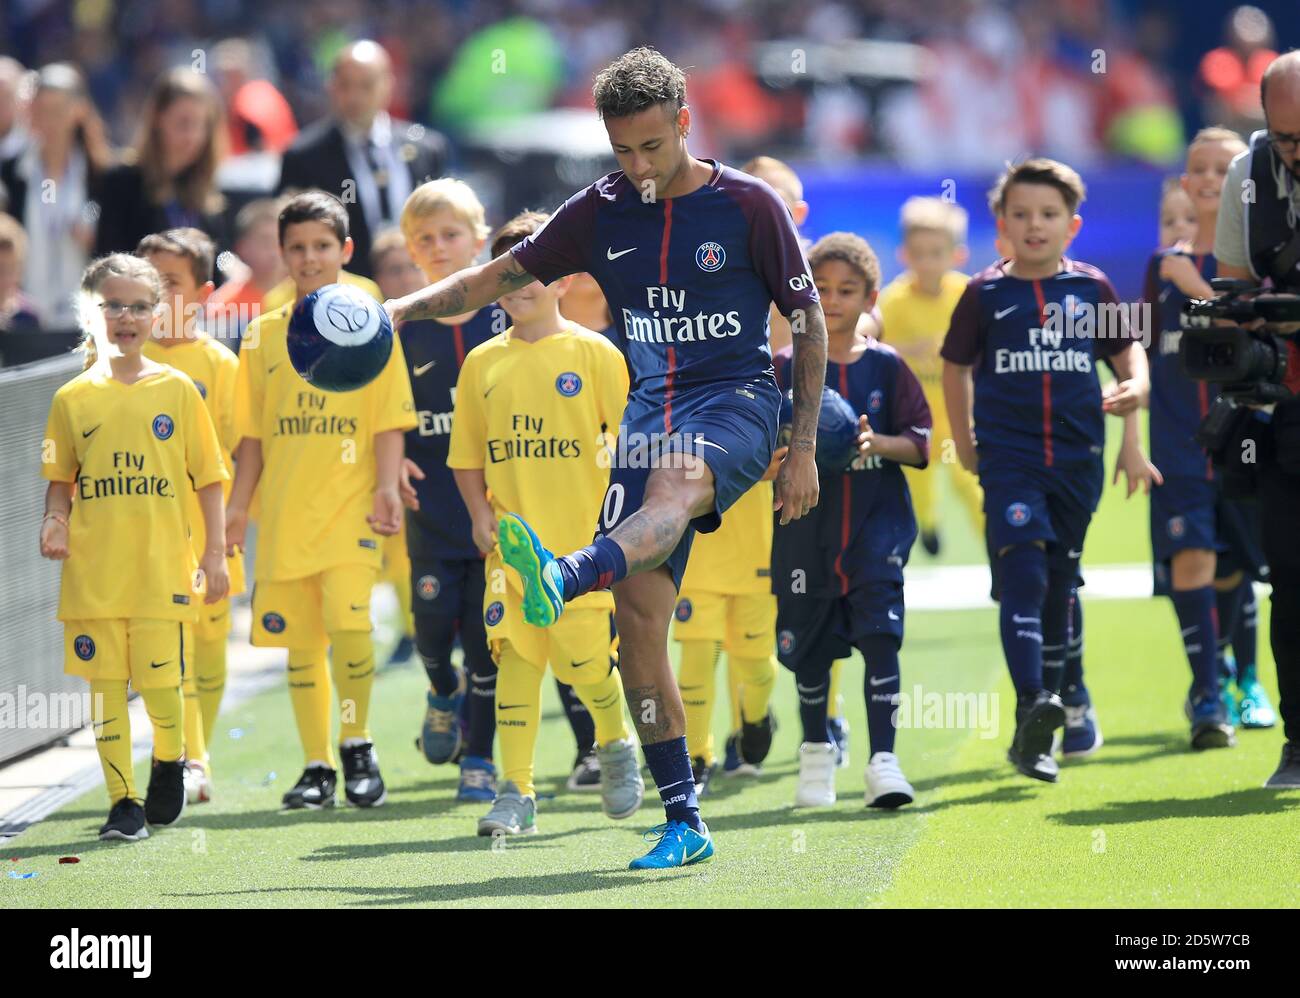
x=862, y=528
x=435, y=351
x=1035, y=346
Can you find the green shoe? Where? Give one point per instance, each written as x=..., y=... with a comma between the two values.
x=1229, y=699
x=1256, y=708
x=543, y=588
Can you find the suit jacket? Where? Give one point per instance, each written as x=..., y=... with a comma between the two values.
x=318, y=158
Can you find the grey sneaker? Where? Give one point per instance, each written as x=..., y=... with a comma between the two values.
x=511, y=814
x=621, y=786
x=1287, y=776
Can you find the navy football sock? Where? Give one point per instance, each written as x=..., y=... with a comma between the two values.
x=814, y=687
x=1072, y=688
x=580, y=719
x=1056, y=627
x=670, y=767
x=434, y=634
x=481, y=708
x=1195, y=609
x=1244, y=635
x=880, y=688
x=597, y=566
x=1023, y=571
x=1227, y=605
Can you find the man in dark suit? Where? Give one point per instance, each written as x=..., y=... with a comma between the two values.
x=359, y=154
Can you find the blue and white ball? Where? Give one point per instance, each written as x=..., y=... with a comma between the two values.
x=837, y=430
x=339, y=338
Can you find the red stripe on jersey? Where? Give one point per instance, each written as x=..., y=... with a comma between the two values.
x=460, y=346
x=848, y=497
x=663, y=247
x=1203, y=397
x=1047, y=381
x=668, y=390
x=663, y=279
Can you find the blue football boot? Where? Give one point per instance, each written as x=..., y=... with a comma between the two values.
x=543, y=587
x=676, y=844
x=478, y=780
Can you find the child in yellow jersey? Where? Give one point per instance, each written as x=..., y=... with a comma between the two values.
x=533, y=407
x=915, y=308
x=123, y=441
x=184, y=258
x=328, y=464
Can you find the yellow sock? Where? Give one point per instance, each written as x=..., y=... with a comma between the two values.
x=166, y=709
x=210, y=678
x=757, y=679
x=696, y=680
x=604, y=701
x=352, y=663
x=309, y=691
x=834, y=705
x=403, y=587
x=735, y=693
x=113, y=736
x=519, y=716
x=196, y=746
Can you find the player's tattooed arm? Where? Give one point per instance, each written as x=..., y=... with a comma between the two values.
x=796, y=489
x=465, y=291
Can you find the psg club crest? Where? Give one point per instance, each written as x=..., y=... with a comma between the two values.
x=710, y=257
x=785, y=642
x=163, y=427
x=495, y=611
x=683, y=611
x=1177, y=526
x=1018, y=514
x=273, y=623
x=84, y=646
x=875, y=400
x=568, y=384
x=428, y=587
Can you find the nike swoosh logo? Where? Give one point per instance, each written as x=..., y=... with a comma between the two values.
x=424, y=367
x=893, y=616
x=1017, y=619
x=1190, y=630
x=686, y=859
x=158, y=665
x=1004, y=311
x=881, y=682
x=1074, y=554
x=213, y=620
x=578, y=665
x=298, y=668
x=611, y=255
x=100, y=724
x=690, y=687
x=751, y=637
x=481, y=679
x=710, y=443
x=489, y=391
x=86, y=433
x=510, y=706
x=271, y=369
x=361, y=607
x=353, y=665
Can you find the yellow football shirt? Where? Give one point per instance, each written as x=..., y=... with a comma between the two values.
x=534, y=416
x=736, y=559
x=916, y=323
x=130, y=452
x=214, y=370
x=318, y=475
x=286, y=292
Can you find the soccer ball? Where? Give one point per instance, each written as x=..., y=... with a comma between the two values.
x=837, y=431
x=339, y=338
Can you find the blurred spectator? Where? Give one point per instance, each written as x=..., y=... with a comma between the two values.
x=13, y=137
x=361, y=155
x=168, y=182
x=257, y=115
x=18, y=313
x=51, y=183
x=257, y=245
x=395, y=271
x=1231, y=73
x=504, y=71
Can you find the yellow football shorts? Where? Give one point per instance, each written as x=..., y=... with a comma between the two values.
x=745, y=624
x=150, y=653
x=300, y=613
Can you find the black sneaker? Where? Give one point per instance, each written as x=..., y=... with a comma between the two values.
x=586, y=772
x=756, y=739
x=1036, y=723
x=702, y=772
x=362, y=784
x=1210, y=727
x=314, y=790
x=125, y=821
x=1287, y=776
x=930, y=541
x=164, y=803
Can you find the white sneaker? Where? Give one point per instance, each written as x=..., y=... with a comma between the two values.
x=816, y=775
x=886, y=784
x=198, y=785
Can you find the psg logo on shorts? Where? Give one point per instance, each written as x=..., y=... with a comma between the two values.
x=683, y=611
x=875, y=400
x=785, y=642
x=1018, y=514
x=203, y=389
x=1176, y=526
x=84, y=646
x=495, y=611
x=428, y=587
x=163, y=427
x=273, y=623
x=710, y=257
x=568, y=384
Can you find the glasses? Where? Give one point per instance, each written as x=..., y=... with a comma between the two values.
x=115, y=309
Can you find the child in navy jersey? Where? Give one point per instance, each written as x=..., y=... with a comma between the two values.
x=1023, y=347
x=838, y=573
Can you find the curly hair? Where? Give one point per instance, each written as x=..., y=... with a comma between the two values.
x=637, y=80
x=851, y=249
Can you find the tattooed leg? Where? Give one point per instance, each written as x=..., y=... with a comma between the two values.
x=673, y=496
x=643, y=610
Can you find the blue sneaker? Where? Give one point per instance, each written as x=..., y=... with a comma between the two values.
x=676, y=844
x=1210, y=727
x=837, y=728
x=1082, y=733
x=1255, y=707
x=478, y=780
x=543, y=587
x=440, y=734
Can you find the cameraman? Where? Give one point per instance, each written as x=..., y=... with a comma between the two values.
x=1258, y=237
